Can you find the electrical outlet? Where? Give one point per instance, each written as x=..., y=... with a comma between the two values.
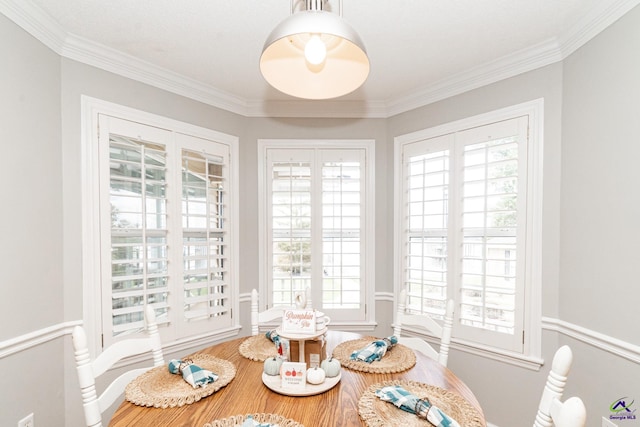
x=27, y=421
x=607, y=423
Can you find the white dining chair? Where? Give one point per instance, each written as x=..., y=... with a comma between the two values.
x=271, y=315
x=552, y=411
x=262, y=317
x=424, y=322
x=89, y=370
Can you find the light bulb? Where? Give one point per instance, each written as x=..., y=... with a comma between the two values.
x=315, y=51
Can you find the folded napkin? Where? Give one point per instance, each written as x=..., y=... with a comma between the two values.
x=376, y=350
x=193, y=374
x=282, y=344
x=250, y=422
x=421, y=407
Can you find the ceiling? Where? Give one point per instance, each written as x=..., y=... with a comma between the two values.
x=420, y=50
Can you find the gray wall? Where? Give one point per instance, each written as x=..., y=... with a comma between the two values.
x=590, y=200
x=600, y=178
x=600, y=239
x=31, y=225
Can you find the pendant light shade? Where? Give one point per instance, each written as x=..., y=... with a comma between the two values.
x=314, y=54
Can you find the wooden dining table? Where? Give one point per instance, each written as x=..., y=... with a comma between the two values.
x=246, y=393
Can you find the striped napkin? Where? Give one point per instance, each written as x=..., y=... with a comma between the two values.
x=376, y=350
x=421, y=407
x=193, y=374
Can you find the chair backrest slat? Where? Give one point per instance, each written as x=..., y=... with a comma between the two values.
x=442, y=332
x=88, y=370
x=270, y=315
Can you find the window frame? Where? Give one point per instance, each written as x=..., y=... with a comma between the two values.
x=367, y=323
x=93, y=314
x=530, y=357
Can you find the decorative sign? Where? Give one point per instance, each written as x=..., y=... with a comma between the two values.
x=293, y=375
x=299, y=321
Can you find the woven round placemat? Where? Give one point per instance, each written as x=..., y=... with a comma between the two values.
x=258, y=348
x=399, y=358
x=237, y=420
x=377, y=413
x=159, y=388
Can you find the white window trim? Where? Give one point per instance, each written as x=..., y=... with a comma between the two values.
x=369, y=279
x=91, y=298
x=531, y=356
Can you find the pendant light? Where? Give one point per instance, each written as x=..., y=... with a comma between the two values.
x=314, y=54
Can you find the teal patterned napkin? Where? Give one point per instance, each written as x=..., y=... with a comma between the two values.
x=421, y=407
x=376, y=350
x=193, y=374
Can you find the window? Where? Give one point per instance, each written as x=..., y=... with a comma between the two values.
x=164, y=233
x=316, y=225
x=468, y=225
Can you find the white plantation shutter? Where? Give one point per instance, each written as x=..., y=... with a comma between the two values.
x=494, y=171
x=465, y=214
x=165, y=234
x=427, y=178
x=316, y=217
x=492, y=217
x=205, y=232
x=138, y=230
x=134, y=224
x=290, y=227
x=342, y=228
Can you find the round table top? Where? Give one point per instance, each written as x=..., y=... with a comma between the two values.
x=246, y=393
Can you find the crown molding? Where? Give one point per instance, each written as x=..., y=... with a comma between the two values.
x=599, y=18
x=108, y=59
x=36, y=22
x=593, y=23
x=543, y=54
x=40, y=25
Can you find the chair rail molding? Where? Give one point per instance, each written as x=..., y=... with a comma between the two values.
x=620, y=348
x=603, y=342
x=32, y=339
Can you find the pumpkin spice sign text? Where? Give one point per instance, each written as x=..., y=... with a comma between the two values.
x=299, y=321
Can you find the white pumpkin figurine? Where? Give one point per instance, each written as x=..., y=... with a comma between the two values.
x=331, y=367
x=272, y=365
x=315, y=375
